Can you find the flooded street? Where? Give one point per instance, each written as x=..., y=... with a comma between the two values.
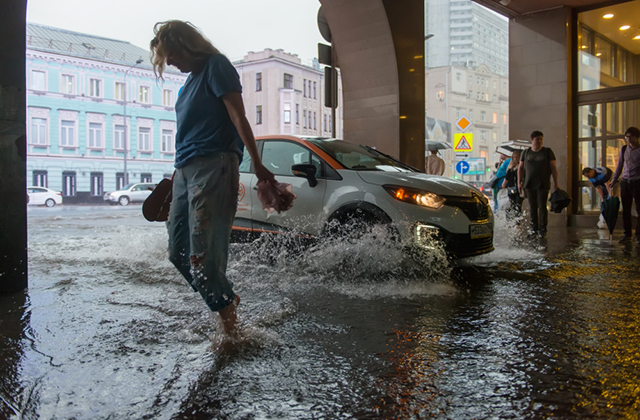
x=109, y=330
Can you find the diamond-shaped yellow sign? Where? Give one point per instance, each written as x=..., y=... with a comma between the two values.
x=463, y=123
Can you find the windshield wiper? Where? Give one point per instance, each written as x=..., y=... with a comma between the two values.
x=404, y=165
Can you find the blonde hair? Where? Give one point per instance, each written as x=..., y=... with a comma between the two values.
x=178, y=36
x=516, y=161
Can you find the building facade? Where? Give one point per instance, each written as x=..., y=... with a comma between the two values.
x=283, y=96
x=477, y=94
x=78, y=86
x=465, y=34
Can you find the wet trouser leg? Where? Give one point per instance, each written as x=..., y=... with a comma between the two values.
x=538, y=208
x=629, y=191
x=205, y=198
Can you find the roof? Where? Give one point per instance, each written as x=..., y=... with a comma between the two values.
x=77, y=44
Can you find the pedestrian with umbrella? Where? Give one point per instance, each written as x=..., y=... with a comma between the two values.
x=609, y=209
x=433, y=164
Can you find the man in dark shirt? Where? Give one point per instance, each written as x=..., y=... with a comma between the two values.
x=629, y=168
x=537, y=165
x=599, y=178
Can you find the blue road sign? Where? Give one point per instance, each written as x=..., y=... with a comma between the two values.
x=462, y=167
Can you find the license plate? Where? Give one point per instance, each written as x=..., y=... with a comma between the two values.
x=480, y=231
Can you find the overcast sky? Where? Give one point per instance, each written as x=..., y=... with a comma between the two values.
x=234, y=26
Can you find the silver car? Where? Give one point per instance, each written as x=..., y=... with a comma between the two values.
x=130, y=193
x=337, y=182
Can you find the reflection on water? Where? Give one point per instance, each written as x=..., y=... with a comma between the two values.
x=335, y=329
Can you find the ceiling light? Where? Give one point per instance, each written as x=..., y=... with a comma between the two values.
x=598, y=54
x=624, y=27
x=608, y=16
x=584, y=47
x=636, y=37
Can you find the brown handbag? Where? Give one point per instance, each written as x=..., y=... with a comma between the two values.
x=156, y=207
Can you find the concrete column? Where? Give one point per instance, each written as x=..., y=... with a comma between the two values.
x=540, y=97
x=380, y=49
x=13, y=195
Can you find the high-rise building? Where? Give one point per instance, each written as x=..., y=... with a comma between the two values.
x=465, y=34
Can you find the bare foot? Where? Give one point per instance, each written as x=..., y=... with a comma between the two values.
x=228, y=316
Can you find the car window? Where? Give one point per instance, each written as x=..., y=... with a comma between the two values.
x=245, y=165
x=278, y=156
x=136, y=188
x=358, y=157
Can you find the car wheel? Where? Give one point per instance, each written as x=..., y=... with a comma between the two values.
x=124, y=200
x=50, y=202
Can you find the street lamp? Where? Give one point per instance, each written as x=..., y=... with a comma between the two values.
x=124, y=112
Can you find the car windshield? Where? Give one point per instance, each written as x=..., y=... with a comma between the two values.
x=360, y=158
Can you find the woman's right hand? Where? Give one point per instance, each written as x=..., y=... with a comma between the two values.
x=263, y=173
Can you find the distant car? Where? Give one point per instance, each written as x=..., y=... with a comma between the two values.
x=41, y=196
x=131, y=193
x=339, y=184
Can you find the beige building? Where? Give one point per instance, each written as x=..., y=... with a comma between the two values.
x=477, y=94
x=283, y=96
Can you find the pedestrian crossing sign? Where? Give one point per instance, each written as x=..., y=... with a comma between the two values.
x=463, y=142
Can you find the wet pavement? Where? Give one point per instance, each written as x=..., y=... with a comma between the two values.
x=108, y=329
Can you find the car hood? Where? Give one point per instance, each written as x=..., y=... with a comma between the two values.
x=432, y=183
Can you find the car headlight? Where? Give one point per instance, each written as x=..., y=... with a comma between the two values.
x=416, y=196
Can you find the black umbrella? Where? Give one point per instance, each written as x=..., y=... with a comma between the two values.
x=559, y=200
x=610, y=208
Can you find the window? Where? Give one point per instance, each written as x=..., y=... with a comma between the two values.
x=440, y=95
x=304, y=119
x=495, y=118
x=314, y=90
x=40, y=179
x=315, y=127
x=119, y=180
x=146, y=177
x=304, y=88
x=458, y=112
x=504, y=119
x=483, y=116
x=458, y=76
x=495, y=136
x=68, y=84
x=144, y=140
x=309, y=88
x=287, y=113
x=324, y=123
x=504, y=86
x=167, y=141
x=95, y=88
x=258, y=82
x=38, y=131
x=494, y=84
x=478, y=95
x=167, y=97
x=483, y=135
x=68, y=184
x=495, y=98
x=279, y=156
x=67, y=133
x=259, y=114
x=118, y=137
x=470, y=94
x=470, y=79
x=97, y=179
x=298, y=114
x=95, y=135
x=288, y=81
x=471, y=114
x=144, y=94
x=119, y=94
x=38, y=79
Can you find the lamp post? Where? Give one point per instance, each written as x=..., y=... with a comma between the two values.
x=124, y=122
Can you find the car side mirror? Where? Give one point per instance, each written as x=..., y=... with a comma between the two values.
x=305, y=170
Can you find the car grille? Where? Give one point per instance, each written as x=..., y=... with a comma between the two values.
x=462, y=246
x=473, y=207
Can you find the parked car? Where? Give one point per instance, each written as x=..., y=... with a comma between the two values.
x=131, y=193
x=337, y=182
x=41, y=196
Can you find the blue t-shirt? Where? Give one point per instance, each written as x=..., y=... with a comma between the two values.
x=502, y=172
x=603, y=175
x=204, y=125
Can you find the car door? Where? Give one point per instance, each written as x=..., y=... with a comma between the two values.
x=278, y=156
x=242, y=219
x=37, y=196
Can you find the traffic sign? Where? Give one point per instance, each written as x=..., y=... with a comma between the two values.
x=463, y=142
x=463, y=123
x=462, y=167
x=462, y=155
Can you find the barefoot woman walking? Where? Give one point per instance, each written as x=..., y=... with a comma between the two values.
x=211, y=131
